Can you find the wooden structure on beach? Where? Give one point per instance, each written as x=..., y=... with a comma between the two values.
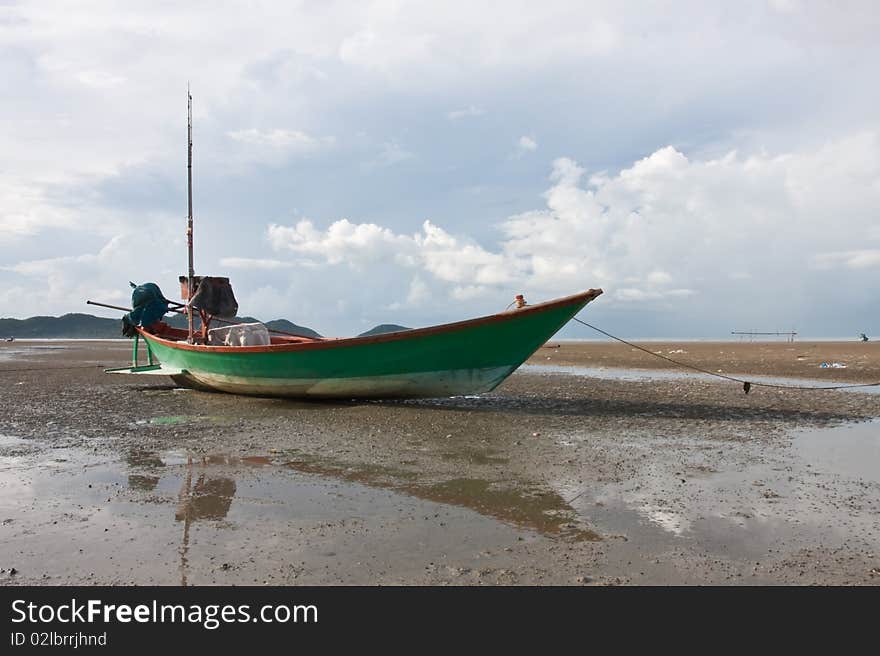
x=791, y=334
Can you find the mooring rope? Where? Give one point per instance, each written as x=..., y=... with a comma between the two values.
x=747, y=385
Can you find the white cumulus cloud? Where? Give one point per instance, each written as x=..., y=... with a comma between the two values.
x=664, y=230
x=527, y=144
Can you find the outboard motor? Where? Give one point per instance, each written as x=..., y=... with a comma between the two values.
x=149, y=305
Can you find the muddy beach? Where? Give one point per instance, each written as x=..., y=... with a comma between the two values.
x=587, y=467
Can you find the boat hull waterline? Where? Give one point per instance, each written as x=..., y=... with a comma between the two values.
x=467, y=357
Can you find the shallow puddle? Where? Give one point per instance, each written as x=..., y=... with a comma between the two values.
x=816, y=495
x=653, y=375
x=169, y=420
x=174, y=420
x=173, y=517
x=11, y=440
x=24, y=353
x=514, y=502
x=533, y=508
x=851, y=451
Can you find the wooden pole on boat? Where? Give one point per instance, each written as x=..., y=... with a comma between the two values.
x=189, y=224
x=112, y=307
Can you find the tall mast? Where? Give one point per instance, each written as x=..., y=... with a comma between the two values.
x=189, y=223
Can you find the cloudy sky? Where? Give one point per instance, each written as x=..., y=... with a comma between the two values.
x=711, y=166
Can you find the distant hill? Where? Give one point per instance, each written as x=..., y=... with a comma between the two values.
x=86, y=326
x=287, y=326
x=179, y=321
x=74, y=326
x=384, y=328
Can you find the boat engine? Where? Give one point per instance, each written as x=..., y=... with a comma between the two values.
x=149, y=305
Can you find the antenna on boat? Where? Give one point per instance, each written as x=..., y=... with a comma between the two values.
x=189, y=224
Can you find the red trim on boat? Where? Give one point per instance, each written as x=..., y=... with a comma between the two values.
x=304, y=344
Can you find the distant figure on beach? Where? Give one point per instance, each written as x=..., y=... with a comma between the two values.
x=863, y=337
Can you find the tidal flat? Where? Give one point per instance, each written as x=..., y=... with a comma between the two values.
x=590, y=466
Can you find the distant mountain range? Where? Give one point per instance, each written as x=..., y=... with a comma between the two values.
x=383, y=328
x=179, y=321
x=86, y=326
x=73, y=326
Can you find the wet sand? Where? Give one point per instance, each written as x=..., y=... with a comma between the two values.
x=742, y=358
x=554, y=478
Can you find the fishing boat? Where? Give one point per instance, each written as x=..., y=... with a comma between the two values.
x=466, y=357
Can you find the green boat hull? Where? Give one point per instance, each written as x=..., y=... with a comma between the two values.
x=468, y=357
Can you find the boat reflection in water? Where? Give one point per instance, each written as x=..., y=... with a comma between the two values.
x=139, y=458
x=202, y=495
x=208, y=497
x=300, y=483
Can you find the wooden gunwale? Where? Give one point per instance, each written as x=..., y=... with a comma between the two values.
x=415, y=333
